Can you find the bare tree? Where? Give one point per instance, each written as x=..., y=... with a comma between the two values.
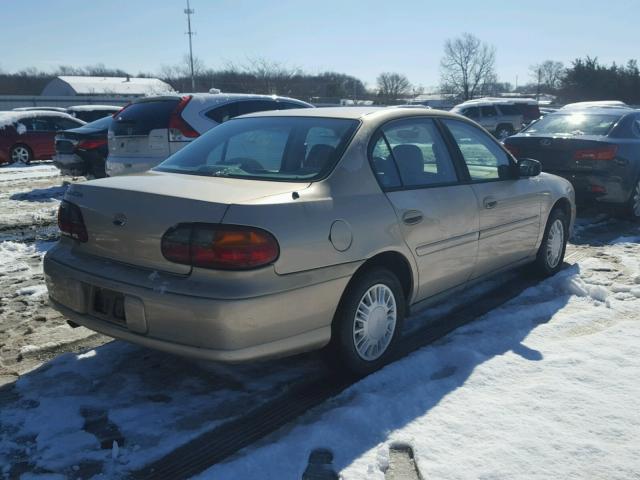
x=467, y=66
x=548, y=74
x=393, y=85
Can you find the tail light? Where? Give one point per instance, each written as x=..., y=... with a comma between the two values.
x=604, y=153
x=221, y=247
x=179, y=129
x=70, y=221
x=515, y=151
x=91, y=144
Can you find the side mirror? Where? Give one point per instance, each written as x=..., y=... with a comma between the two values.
x=528, y=167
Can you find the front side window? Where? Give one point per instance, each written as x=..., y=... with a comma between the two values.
x=411, y=153
x=471, y=112
x=266, y=148
x=480, y=152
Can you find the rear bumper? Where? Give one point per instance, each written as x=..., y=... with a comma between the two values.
x=229, y=330
x=70, y=163
x=121, y=165
x=603, y=188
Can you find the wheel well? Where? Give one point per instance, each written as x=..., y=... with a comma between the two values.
x=564, y=205
x=506, y=125
x=396, y=263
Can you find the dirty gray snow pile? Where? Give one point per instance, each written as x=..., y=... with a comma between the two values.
x=546, y=386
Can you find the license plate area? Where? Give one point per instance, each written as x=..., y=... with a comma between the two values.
x=108, y=305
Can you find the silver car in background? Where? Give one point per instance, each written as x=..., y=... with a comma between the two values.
x=149, y=129
x=281, y=232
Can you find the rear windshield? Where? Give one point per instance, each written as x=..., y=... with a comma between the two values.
x=266, y=148
x=141, y=118
x=578, y=123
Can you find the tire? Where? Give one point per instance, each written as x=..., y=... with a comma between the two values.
x=355, y=326
x=20, y=153
x=554, y=244
x=633, y=207
x=504, y=131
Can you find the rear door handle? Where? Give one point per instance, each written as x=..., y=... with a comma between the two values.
x=412, y=217
x=490, y=202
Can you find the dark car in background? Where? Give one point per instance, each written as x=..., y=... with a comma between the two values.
x=90, y=113
x=83, y=150
x=596, y=148
x=29, y=135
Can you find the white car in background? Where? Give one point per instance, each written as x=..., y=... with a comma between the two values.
x=148, y=130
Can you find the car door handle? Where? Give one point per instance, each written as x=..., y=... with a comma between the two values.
x=412, y=217
x=490, y=202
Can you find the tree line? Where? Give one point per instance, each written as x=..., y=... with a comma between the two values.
x=467, y=70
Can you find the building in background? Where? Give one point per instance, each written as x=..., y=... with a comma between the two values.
x=67, y=86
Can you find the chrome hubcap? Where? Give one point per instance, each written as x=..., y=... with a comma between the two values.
x=555, y=241
x=374, y=322
x=636, y=200
x=20, y=154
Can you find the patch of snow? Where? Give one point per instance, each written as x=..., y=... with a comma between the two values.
x=32, y=291
x=543, y=387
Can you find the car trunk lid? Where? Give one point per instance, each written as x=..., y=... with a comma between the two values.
x=558, y=154
x=127, y=216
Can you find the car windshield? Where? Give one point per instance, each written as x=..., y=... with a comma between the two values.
x=578, y=123
x=266, y=148
x=100, y=124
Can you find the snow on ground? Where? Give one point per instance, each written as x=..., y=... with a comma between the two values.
x=30, y=331
x=544, y=387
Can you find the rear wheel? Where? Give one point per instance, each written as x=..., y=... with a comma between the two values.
x=368, y=322
x=21, y=153
x=554, y=243
x=634, y=202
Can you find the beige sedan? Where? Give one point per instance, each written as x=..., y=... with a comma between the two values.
x=281, y=232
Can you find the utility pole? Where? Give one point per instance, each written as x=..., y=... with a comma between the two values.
x=189, y=11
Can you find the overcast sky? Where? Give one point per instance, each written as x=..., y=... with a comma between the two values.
x=357, y=37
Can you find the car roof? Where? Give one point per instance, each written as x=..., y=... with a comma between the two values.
x=214, y=98
x=595, y=110
x=355, y=113
x=478, y=102
x=596, y=104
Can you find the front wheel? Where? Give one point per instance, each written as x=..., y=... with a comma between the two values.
x=368, y=322
x=554, y=243
x=20, y=153
x=504, y=131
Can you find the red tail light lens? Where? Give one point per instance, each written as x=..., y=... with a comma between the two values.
x=70, y=221
x=221, y=247
x=91, y=144
x=605, y=153
x=179, y=129
x=515, y=151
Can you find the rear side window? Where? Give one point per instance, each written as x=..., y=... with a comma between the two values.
x=479, y=151
x=510, y=110
x=141, y=118
x=489, y=111
x=230, y=110
x=411, y=153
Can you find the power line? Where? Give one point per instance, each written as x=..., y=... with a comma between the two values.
x=189, y=11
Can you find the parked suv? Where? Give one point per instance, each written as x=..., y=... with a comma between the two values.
x=29, y=135
x=148, y=130
x=500, y=117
